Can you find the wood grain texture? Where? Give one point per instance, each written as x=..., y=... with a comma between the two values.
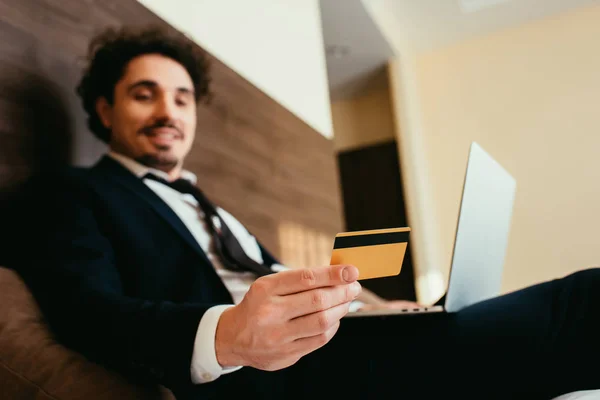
x=252, y=156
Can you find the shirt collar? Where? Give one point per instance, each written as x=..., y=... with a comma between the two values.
x=141, y=170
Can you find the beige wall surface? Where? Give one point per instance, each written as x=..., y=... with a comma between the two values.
x=363, y=120
x=531, y=97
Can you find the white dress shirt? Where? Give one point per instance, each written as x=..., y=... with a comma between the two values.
x=205, y=367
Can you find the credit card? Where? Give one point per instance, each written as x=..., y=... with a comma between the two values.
x=376, y=253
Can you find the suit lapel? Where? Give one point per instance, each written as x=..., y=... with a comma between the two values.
x=110, y=169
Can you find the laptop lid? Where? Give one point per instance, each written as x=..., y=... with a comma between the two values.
x=482, y=231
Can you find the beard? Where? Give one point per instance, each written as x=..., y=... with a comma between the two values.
x=161, y=160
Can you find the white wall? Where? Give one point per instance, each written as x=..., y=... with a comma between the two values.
x=275, y=45
x=430, y=281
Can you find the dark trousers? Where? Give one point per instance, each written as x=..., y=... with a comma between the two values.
x=535, y=343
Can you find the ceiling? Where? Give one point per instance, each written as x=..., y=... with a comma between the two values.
x=356, y=50
x=425, y=25
x=355, y=31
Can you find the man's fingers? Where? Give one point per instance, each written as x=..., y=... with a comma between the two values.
x=318, y=323
x=315, y=300
x=300, y=280
x=309, y=344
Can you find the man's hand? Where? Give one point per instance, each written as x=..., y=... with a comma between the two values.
x=285, y=316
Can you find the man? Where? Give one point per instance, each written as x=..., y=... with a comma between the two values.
x=140, y=272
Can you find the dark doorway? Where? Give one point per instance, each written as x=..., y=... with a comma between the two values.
x=373, y=198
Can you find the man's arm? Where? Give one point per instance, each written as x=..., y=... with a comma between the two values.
x=78, y=286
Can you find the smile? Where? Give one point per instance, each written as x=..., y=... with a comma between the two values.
x=167, y=134
x=163, y=137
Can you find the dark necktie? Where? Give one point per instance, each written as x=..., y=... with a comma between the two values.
x=231, y=253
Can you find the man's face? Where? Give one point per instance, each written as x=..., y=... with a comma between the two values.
x=153, y=115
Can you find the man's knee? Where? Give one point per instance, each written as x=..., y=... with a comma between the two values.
x=588, y=276
x=579, y=293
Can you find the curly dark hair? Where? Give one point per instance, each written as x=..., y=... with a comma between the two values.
x=110, y=52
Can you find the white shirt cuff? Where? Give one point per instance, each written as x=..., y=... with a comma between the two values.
x=205, y=367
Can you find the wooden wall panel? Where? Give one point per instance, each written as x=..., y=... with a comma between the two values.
x=252, y=156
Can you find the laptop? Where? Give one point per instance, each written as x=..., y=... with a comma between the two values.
x=481, y=237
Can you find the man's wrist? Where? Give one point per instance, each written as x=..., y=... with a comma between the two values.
x=224, y=338
x=205, y=366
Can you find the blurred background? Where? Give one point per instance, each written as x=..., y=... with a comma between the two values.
x=340, y=115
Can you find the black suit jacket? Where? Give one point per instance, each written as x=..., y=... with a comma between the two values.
x=119, y=275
